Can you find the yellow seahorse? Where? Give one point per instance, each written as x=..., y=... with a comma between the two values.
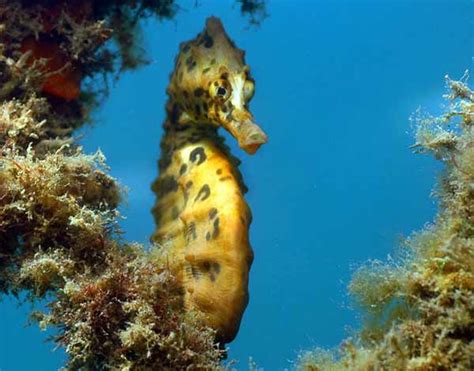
x=201, y=215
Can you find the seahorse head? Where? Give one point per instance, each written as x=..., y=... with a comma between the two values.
x=211, y=84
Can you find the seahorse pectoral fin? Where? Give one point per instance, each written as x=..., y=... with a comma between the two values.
x=249, y=135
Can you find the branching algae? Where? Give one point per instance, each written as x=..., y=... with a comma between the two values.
x=202, y=217
x=115, y=305
x=419, y=311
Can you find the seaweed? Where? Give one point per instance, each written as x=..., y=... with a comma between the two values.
x=114, y=304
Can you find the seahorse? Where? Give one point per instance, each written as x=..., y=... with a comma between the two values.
x=201, y=215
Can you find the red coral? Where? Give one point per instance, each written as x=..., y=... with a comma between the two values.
x=62, y=79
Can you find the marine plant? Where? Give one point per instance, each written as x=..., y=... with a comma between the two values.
x=418, y=310
x=114, y=304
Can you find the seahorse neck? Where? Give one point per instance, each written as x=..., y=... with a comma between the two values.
x=176, y=137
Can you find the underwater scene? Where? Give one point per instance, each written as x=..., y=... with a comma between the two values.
x=236, y=185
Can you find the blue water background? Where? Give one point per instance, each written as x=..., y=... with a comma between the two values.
x=336, y=184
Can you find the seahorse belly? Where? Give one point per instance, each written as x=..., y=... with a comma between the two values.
x=203, y=223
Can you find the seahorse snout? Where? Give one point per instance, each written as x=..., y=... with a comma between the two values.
x=248, y=134
x=239, y=122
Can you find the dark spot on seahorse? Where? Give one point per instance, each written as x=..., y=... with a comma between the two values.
x=186, y=94
x=223, y=179
x=206, y=70
x=198, y=154
x=183, y=169
x=203, y=193
x=165, y=185
x=219, y=171
x=213, y=61
x=175, y=112
x=206, y=266
x=198, y=109
x=225, y=76
x=212, y=213
x=181, y=127
x=180, y=76
x=198, y=92
x=208, y=41
x=205, y=107
x=215, y=233
x=158, y=212
x=216, y=267
x=212, y=277
x=190, y=63
x=216, y=83
x=189, y=184
x=224, y=109
x=208, y=236
x=191, y=66
x=242, y=220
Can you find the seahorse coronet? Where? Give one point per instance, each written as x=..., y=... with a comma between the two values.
x=202, y=217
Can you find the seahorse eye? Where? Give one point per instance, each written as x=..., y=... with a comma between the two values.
x=249, y=89
x=220, y=90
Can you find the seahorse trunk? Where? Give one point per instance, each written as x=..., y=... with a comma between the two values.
x=202, y=223
x=201, y=215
